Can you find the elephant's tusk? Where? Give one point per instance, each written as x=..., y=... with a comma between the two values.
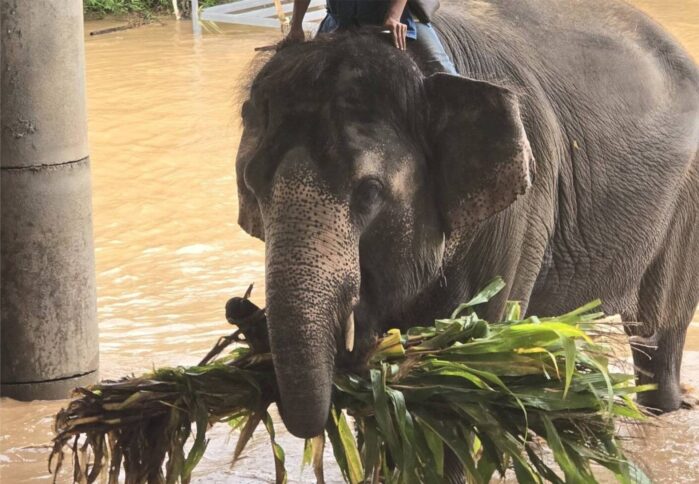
x=349, y=333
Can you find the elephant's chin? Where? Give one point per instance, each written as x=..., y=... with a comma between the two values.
x=305, y=402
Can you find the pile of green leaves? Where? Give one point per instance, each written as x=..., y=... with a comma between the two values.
x=533, y=395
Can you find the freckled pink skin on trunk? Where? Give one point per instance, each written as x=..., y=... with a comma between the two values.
x=312, y=276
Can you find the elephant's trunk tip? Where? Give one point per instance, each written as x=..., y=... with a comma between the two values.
x=305, y=404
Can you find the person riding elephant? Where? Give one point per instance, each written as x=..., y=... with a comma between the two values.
x=393, y=15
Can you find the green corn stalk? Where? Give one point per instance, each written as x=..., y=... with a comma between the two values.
x=493, y=395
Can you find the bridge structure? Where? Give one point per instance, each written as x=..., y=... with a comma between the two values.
x=259, y=13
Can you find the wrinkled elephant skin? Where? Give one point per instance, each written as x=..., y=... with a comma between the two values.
x=564, y=160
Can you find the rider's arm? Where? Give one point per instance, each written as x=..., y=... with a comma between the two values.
x=393, y=24
x=296, y=31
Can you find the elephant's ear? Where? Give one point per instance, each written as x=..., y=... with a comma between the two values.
x=249, y=216
x=482, y=155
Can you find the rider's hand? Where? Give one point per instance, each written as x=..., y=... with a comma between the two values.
x=398, y=30
x=295, y=35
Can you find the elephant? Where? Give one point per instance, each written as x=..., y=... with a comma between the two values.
x=564, y=158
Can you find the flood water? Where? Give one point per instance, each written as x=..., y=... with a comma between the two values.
x=164, y=127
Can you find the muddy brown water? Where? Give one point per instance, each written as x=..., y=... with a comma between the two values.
x=163, y=129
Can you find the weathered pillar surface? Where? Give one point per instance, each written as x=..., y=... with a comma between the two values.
x=47, y=285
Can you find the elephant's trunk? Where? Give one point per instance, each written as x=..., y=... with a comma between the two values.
x=303, y=344
x=312, y=281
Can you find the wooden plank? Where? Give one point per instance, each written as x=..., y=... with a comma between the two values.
x=279, y=10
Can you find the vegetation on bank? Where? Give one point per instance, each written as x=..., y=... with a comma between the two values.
x=541, y=396
x=140, y=7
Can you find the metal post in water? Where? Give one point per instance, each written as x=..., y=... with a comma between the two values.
x=47, y=285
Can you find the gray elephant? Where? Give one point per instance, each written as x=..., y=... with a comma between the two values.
x=565, y=160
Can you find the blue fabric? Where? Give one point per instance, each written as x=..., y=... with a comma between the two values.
x=436, y=57
x=344, y=14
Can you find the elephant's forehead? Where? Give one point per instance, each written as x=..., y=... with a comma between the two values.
x=373, y=142
x=382, y=153
x=346, y=87
x=364, y=151
x=369, y=138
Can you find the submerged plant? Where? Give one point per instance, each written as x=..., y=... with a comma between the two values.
x=494, y=396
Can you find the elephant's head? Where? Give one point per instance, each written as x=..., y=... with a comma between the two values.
x=355, y=169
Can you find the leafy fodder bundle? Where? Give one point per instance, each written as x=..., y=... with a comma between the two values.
x=493, y=396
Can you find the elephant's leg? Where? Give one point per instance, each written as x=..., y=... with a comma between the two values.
x=658, y=360
x=668, y=297
x=661, y=366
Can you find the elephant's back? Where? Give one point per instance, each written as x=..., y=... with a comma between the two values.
x=606, y=43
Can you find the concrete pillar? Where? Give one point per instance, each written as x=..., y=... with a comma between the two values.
x=47, y=284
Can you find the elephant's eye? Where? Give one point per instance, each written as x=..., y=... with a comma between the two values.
x=367, y=194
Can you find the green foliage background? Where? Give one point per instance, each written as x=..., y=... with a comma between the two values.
x=117, y=7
